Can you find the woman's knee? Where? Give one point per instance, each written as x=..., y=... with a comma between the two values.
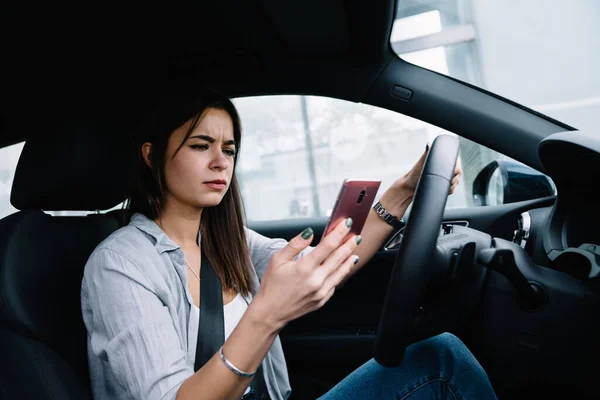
x=457, y=365
x=446, y=341
x=450, y=352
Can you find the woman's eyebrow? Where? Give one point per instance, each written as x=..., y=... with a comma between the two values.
x=210, y=139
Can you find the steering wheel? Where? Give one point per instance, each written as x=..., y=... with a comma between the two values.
x=412, y=268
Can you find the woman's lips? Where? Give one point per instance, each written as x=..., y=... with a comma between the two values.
x=216, y=185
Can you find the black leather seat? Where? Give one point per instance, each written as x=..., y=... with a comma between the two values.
x=42, y=336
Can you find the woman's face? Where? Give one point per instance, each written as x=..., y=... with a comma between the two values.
x=200, y=173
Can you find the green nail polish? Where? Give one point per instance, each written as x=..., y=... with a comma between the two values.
x=308, y=232
x=356, y=258
x=349, y=222
x=358, y=239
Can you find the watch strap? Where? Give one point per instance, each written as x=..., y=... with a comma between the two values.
x=387, y=217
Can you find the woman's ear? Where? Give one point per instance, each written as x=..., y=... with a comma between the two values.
x=146, y=152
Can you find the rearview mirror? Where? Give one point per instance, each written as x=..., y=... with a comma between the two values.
x=505, y=181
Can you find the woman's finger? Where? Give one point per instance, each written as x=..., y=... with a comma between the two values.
x=334, y=262
x=335, y=279
x=295, y=246
x=343, y=270
x=458, y=167
x=453, y=188
x=325, y=299
x=330, y=243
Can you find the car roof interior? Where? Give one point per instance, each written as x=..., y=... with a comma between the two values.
x=116, y=64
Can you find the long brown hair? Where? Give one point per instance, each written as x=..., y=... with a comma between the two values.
x=222, y=226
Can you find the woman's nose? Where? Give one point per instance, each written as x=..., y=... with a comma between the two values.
x=219, y=161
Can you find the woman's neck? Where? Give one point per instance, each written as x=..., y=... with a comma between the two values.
x=181, y=224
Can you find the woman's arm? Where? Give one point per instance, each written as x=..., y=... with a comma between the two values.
x=132, y=331
x=396, y=200
x=289, y=289
x=245, y=348
x=376, y=231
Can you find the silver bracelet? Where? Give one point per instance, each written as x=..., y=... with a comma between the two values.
x=233, y=368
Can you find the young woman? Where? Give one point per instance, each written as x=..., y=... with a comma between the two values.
x=141, y=287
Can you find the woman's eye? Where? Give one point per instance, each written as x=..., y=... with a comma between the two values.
x=199, y=146
x=229, y=152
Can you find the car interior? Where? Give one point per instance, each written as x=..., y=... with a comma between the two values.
x=517, y=282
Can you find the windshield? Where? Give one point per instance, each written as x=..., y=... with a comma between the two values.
x=543, y=54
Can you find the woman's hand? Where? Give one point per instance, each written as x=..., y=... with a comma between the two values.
x=401, y=192
x=290, y=289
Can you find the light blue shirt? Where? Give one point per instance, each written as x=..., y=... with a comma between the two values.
x=137, y=309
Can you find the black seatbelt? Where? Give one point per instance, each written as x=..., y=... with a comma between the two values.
x=211, y=329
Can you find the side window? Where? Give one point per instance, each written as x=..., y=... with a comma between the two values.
x=297, y=150
x=9, y=156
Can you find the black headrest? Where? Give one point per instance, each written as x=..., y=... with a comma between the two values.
x=82, y=167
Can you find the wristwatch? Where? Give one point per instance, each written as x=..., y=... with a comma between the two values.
x=387, y=217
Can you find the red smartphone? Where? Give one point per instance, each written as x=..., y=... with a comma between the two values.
x=354, y=200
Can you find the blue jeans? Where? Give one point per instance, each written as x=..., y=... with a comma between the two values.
x=440, y=367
